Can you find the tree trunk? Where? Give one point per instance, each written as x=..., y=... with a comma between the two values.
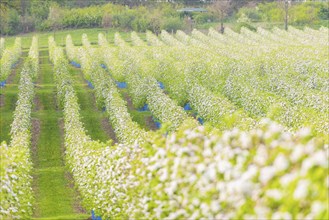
x=286, y=8
x=222, y=22
x=222, y=27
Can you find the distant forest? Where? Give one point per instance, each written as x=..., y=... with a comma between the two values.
x=22, y=16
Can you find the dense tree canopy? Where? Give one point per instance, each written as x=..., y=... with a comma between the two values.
x=19, y=16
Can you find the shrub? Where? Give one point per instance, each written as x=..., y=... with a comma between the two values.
x=271, y=12
x=124, y=19
x=305, y=13
x=172, y=24
x=299, y=13
x=324, y=12
x=83, y=17
x=246, y=25
x=45, y=26
x=140, y=24
x=13, y=26
x=202, y=18
x=253, y=14
x=28, y=24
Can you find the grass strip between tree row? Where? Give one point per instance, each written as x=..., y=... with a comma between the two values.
x=54, y=192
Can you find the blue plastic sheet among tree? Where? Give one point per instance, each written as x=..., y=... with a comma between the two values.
x=77, y=65
x=144, y=108
x=14, y=65
x=3, y=83
x=187, y=107
x=90, y=85
x=121, y=85
x=161, y=85
x=200, y=120
x=94, y=217
x=156, y=122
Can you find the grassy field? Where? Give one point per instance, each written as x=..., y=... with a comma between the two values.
x=61, y=35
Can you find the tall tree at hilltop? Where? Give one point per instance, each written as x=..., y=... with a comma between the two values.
x=222, y=8
x=285, y=5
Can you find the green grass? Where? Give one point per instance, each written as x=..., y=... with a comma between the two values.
x=140, y=118
x=60, y=36
x=54, y=197
x=65, y=217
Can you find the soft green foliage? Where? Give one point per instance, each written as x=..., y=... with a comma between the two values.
x=299, y=13
x=82, y=17
x=244, y=25
x=307, y=13
x=53, y=16
x=173, y=24
x=26, y=16
x=131, y=19
x=10, y=23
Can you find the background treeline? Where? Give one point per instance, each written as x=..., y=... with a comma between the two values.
x=21, y=16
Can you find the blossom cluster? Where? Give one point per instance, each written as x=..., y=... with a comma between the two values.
x=170, y=40
x=127, y=131
x=2, y=45
x=203, y=103
x=296, y=84
x=193, y=173
x=34, y=56
x=261, y=174
x=143, y=88
x=52, y=47
x=71, y=50
x=9, y=58
x=270, y=82
x=264, y=84
x=153, y=40
x=102, y=183
x=15, y=167
x=109, y=56
x=136, y=40
x=217, y=110
x=161, y=106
